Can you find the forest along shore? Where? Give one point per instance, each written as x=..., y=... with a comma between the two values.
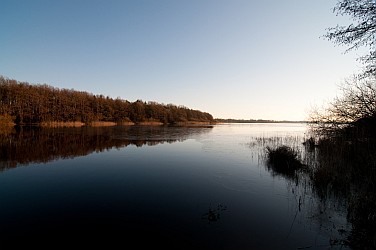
x=22, y=103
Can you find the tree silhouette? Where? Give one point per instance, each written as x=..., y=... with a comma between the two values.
x=357, y=103
x=355, y=106
x=360, y=33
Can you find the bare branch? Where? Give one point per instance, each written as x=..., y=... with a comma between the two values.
x=362, y=33
x=358, y=101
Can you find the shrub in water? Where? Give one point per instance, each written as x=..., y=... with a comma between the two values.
x=283, y=160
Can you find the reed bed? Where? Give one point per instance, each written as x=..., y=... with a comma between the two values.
x=339, y=169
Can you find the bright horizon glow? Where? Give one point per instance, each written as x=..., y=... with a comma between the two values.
x=239, y=59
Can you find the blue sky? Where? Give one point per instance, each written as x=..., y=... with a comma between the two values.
x=232, y=58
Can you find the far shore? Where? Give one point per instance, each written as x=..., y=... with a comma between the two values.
x=56, y=124
x=224, y=121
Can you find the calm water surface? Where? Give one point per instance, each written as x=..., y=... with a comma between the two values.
x=175, y=187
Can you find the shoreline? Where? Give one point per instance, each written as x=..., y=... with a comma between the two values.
x=77, y=124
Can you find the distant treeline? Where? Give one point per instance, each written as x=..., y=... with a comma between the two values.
x=23, y=103
x=253, y=121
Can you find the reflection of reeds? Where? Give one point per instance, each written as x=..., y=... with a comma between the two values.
x=340, y=171
x=346, y=167
x=343, y=168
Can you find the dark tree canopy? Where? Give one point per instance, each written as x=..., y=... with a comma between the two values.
x=361, y=33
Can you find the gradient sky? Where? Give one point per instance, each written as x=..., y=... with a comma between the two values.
x=243, y=59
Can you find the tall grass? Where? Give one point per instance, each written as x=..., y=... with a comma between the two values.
x=346, y=167
x=335, y=168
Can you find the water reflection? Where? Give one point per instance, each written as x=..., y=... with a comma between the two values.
x=206, y=193
x=295, y=159
x=40, y=145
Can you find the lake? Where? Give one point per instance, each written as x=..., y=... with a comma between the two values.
x=176, y=187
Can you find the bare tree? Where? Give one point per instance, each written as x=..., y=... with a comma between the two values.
x=362, y=33
x=358, y=94
x=356, y=102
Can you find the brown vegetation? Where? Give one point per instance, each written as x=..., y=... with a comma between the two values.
x=30, y=104
x=102, y=124
x=53, y=124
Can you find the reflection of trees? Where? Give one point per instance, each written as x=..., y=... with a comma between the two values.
x=40, y=145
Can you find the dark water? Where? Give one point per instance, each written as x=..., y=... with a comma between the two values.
x=174, y=187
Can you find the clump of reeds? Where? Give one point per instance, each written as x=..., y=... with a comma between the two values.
x=362, y=215
x=310, y=143
x=283, y=160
